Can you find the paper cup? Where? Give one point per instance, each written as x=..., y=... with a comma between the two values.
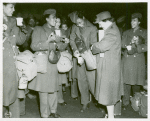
x=58, y=33
x=19, y=21
x=22, y=84
x=129, y=47
x=100, y=34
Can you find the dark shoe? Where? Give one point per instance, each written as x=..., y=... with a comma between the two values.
x=8, y=115
x=85, y=107
x=76, y=98
x=54, y=115
x=63, y=104
x=103, y=112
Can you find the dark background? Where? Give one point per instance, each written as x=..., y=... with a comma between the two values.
x=90, y=9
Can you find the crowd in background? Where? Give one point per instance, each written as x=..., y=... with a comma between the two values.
x=120, y=56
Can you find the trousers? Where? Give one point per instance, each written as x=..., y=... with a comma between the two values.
x=74, y=88
x=13, y=108
x=48, y=103
x=86, y=83
x=60, y=95
x=127, y=92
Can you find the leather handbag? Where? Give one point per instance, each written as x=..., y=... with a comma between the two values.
x=54, y=56
x=80, y=44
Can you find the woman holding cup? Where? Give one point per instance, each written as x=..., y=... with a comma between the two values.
x=46, y=83
x=12, y=36
x=61, y=46
x=134, y=42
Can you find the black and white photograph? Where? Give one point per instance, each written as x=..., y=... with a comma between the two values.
x=74, y=60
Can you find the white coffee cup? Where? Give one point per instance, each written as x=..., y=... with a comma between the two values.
x=80, y=60
x=100, y=34
x=19, y=21
x=23, y=83
x=129, y=47
x=58, y=33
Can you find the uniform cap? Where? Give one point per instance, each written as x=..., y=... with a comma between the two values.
x=49, y=11
x=73, y=16
x=101, y=16
x=136, y=15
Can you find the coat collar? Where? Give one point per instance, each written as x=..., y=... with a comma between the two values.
x=139, y=29
x=111, y=26
x=47, y=28
x=87, y=23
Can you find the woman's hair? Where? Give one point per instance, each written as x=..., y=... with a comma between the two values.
x=64, y=21
x=43, y=20
x=29, y=18
x=9, y=3
x=140, y=20
x=80, y=14
x=109, y=19
x=58, y=15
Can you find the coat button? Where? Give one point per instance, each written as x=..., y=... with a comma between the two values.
x=134, y=56
x=14, y=35
x=142, y=48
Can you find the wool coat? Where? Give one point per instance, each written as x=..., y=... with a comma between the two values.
x=89, y=33
x=109, y=87
x=10, y=79
x=47, y=82
x=133, y=64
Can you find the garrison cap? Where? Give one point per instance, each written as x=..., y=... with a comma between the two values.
x=49, y=11
x=73, y=16
x=136, y=15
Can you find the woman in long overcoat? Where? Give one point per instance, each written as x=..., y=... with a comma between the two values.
x=46, y=84
x=108, y=50
x=82, y=28
x=12, y=36
x=134, y=60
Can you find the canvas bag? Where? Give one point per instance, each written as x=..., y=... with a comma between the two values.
x=135, y=101
x=26, y=68
x=65, y=62
x=41, y=59
x=90, y=60
x=143, y=108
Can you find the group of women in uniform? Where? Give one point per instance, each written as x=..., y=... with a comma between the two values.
x=113, y=77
